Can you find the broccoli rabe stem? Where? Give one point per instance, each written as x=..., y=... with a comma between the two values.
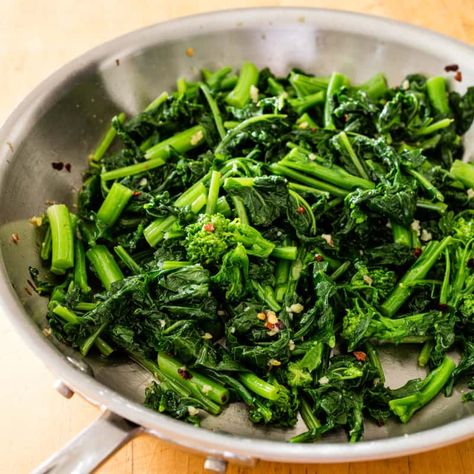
x=439, y=207
x=401, y=235
x=181, y=142
x=70, y=317
x=282, y=271
x=127, y=259
x=335, y=175
x=340, y=270
x=307, y=85
x=168, y=265
x=45, y=252
x=222, y=207
x=425, y=353
x=248, y=77
x=446, y=285
x=436, y=88
x=374, y=359
x=80, y=267
x=308, y=416
x=240, y=210
x=104, y=265
x=213, y=79
x=195, y=381
x=417, y=272
x=259, y=386
x=107, y=139
x=62, y=238
x=114, y=204
x=463, y=172
x=375, y=87
x=213, y=194
x=131, y=170
x=302, y=104
x=216, y=114
x=181, y=87
x=285, y=253
x=405, y=407
x=345, y=142
x=157, y=102
x=434, y=127
x=336, y=83
x=315, y=184
x=267, y=295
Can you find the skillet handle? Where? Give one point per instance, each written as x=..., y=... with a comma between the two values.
x=91, y=446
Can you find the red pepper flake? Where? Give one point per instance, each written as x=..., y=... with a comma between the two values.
x=300, y=210
x=318, y=257
x=136, y=193
x=417, y=252
x=360, y=356
x=470, y=263
x=279, y=325
x=28, y=291
x=190, y=52
x=67, y=166
x=117, y=62
x=57, y=165
x=183, y=372
x=451, y=68
x=458, y=76
x=209, y=227
x=31, y=284
x=15, y=238
x=270, y=325
x=443, y=307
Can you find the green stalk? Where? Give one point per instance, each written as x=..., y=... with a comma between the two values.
x=401, y=235
x=213, y=79
x=305, y=121
x=375, y=360
x=229, y=82
x=436, y=88
x=463, y=172
x=114, y=204
x=301, y=188
x=127, y=260
x=335, y=175
x=266, y=294
x=306, y=85
x=46, y=244
x=85, y=306
x=317, y=185
x=157, y=102
x=308, y=416
x=426, y=183
x=216, y=114
x=446, y=287
x=80, y=267
x=62, y=238
x=340, y=270
x=105, y=265
x=259, y=386
x=240, y=209
x=197, y=382
x=434, y=127
x=275, y=87
x=302, y=104
x=418, y=271
x=425, y=353
x=168, y=265
x=70, y=317
x=223, y=207
x=181, y=87
x=282, y=271
x=248, y=77
x=181, y=142
x=92, y=339
x=213, y=194
x=336, y=83
x=439, y=207
x=242, y=126
x=285, y=253
x=345, y=142
x=405, y=407
x=132, y=169
x=107, y=140
x=375, y=87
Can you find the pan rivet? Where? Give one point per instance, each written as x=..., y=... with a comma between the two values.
x=215, y=465
x=63, y=389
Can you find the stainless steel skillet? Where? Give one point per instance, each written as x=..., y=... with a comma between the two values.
x=62, y=120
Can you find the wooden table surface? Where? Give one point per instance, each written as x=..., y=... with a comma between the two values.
x=37, y=37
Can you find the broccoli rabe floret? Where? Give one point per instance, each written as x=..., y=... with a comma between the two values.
x=464, y=227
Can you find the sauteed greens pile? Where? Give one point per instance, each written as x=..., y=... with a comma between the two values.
x=256, y=239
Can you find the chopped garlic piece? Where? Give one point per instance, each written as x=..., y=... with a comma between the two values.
x=262, y=316
x=426, y=236
x=37, y=221
x=206, y=389
x=197, y=137
x=207, y=336
x=367, y=279
x=272, y=317
x=323, y=380
x=193, y=411
x=470, y=193
x=274, y=362
x=254, y=94
x=415, y=225
x=328, y=239
x=291, y=345
x=312, y=156
x=303, y=125
x=296, y=308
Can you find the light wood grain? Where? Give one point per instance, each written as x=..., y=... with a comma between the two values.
x=37, y=37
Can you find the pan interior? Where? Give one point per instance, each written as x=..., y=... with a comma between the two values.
x=65, y=123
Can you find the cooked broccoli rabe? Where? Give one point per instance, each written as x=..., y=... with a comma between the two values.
x=255, y=238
